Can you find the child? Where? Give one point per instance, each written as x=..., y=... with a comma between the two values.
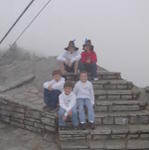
x=52, y=89
x=85, y=97
x=67, y=103
x=89, y=60
x=69, y=60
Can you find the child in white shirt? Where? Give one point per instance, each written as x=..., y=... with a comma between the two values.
x=69, y=60
x=52, y=89
x=85, y=97
x=67, y=103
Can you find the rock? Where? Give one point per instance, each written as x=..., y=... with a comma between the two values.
x=12, y=138
x=147, y=89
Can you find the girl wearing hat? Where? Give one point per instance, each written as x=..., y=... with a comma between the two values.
x=89, y=60
x=69, y=60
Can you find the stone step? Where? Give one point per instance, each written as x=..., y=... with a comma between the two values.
x=117, y=94
x=106, y=132
x=121, y=105
x=135, y=144
x=122, y=118
x=101, y=76
x=74, y=145
x=118, y=118
x=120, y=132
x=70, y=134
x=138, y=145
x=108, y=145
x=112, y=85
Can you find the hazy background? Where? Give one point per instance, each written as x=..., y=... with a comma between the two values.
x=119, y=30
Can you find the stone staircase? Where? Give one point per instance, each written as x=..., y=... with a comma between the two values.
x=122, y=121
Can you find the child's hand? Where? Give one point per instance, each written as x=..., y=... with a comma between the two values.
x=49, y=88
x=70, y=113
x=69, y=64
x=88, y=61
x=64, y=118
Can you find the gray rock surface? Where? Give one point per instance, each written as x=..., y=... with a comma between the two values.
x=147, y=89
x=15, y=65
x=12, y=138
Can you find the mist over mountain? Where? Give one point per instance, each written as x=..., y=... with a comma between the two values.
x=118, y=29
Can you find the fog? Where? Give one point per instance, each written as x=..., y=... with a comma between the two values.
x=119, y=30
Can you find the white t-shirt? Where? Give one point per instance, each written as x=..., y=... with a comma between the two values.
x=69, y=57
x=84, y=90
x=57, y=85
x=67, y=102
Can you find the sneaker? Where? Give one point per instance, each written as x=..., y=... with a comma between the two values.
x=54, y=110
x=46, y=108
x=62, y=127
x=75, y=128
x=95, y=79
x=92, y=125
x=49, y=109
x=83, y=126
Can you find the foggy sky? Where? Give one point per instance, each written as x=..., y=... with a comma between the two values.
x=119, y=30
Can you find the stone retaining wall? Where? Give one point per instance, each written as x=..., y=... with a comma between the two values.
x=25, y=117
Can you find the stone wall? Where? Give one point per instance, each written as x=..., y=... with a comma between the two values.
x=26, y=117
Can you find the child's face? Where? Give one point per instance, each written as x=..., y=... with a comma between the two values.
x=87, y=48
x=57, y=77
x=71, y=49
x=67, y=90
x=83, y=77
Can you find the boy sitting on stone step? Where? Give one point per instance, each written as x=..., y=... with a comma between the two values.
x=67, y=104
x=52, y=90
x=85, y=98
x=69, y=60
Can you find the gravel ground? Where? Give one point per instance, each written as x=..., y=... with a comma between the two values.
x=12, y=138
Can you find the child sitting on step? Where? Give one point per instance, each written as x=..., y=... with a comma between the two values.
x=52, y=90
x=69, y=60
x=88, y=60
x=67, y=104
x=85, y=98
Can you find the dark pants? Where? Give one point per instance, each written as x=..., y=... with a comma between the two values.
x=90, y=68
x=69, y=69
x=51, y=98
